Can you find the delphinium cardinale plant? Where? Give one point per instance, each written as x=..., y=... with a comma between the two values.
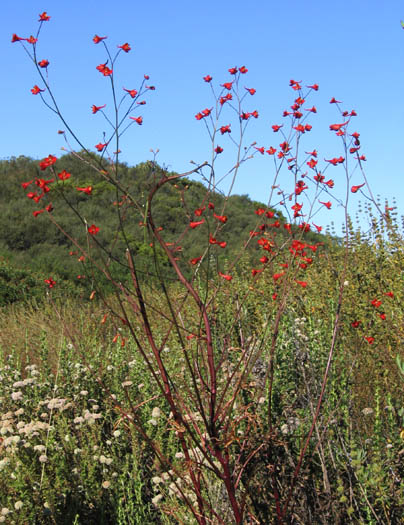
x=219, y=395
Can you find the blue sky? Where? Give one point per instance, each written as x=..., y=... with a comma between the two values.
x=353, y=50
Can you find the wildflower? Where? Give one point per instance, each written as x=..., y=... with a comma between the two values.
x=370, y=340
x=64, y=175
x=157, y=499
x=138, y=120
x=195, y=224
x=106, y=71
x=334, y=101
x=221, y=218
x=94, y=108
x=43, y=63
x=48, y=161
x=225, y=276
x=376, y=303
x=243, y=70
x=86, y=190
x=93, y=229
x=354, y=189
x=43, y=458
x=16, y=38
x=106, y=484
x=252, y=91
x=50, y=282
x=18, y=505
x=208, y=78
x=132, y=92
x=276, y=128
x=97, y=39
x=43, y=17
x=99, y=147
x=218, y=150
x=227, y=85
x=36, y=89
x=125, y=47
x=225, y=129
x=326, y=204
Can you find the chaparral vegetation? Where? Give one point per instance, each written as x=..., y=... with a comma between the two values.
x=173, y=353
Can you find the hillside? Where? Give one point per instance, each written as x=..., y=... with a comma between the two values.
x=32, y=248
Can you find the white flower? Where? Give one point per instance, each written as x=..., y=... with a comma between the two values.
x=106, y=485
x=43, y=458
x=40, y=448
x=5, y=511
x=18, y=505
x=157, y=498
x=16, y=396
x=116, y=433
x=156, y=413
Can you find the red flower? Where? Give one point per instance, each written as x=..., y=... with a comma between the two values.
x=49, y=208
x=354, y=189
x=36, y=213
x=329, y=183
x=106, y=71
x=36, y=89
x=195, y=260
x=337, y=127
x=16, y=38
x=132, y=92
x=312, y=163
x=264, y=259
x=334, y=101
x=50, y=282
x=26, y=184
x=48, y=161
x=97, y=39
x=312, y=109
x=43, y=17
x=382, y=316
x=43, y=63
x=277, y=276
x=99, y=146
x=318, y=228
x=125, y=47
x=370, y=340
x=355, y=324
x=252, y=91
x=94, y=108
x=195, y=224
x=138, y=120
x=276, y=128
x=227, y=85
x=93, y=229
x=232, y=70
x=271, y=151
x=302, y=283
x=64, y=175
x=218, y=150
x=261, y=149
x=389, y=294
x=254, y=113
x=211, y=206
x=243, y=70
x=226, y=276
x=221, y=218
x=208, y=78
x=225, y=129
x=86, y=190
x=376, y=303
x=314, y=86
x=326, y=204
